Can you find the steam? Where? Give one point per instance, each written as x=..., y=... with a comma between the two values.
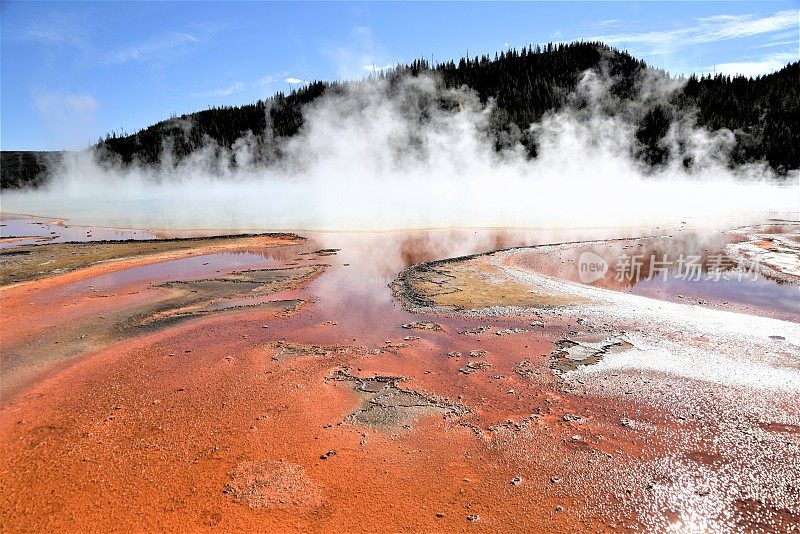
x=371, y=156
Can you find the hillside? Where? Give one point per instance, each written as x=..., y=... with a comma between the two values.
x=25, y=169
x=763, y=113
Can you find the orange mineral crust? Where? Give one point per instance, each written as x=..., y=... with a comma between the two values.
x=280, y=386
x=196, y=428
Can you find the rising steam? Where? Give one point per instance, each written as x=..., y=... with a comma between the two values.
x=375, y=157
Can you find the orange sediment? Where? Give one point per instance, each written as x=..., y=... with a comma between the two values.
x=317, y=411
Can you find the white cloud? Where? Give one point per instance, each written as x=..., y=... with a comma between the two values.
x=735, y=26
x=705, y=30
x=777, y=43
x=55, y=29
x=352, y=57
x=45, y=34
x=377, y=68
x=755, y=67
x=157, y=47
x=81, y=106
x=294, y=81
x=66, y=119
x=238, y=87
x=607, y=23
x=235, y=87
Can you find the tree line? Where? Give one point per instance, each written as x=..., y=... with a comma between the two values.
x=762, y=112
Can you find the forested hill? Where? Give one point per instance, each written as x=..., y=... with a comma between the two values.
x=525, y=85
x=763, y=112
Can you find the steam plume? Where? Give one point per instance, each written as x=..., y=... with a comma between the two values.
x=371, y=157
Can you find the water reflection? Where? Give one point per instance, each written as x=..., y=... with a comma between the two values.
x=695, y=266
x=189, y=268
x=698, y=267
x=19, y=231
x=355, y=291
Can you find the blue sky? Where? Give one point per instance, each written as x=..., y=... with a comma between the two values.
x=70, y=72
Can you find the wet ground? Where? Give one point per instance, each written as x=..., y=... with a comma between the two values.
x=281, y=385
x=16, y=230
x=754, y=270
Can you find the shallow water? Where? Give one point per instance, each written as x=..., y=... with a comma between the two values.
x=686, y=266
x=755, y=295
x=16, y=231
x=19, y=230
